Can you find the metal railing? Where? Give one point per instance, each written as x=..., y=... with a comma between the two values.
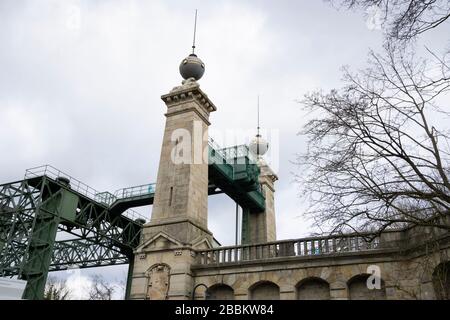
x=136, y=191
x=314, y=246
x=54, y=174
x=238, y=152
x=105, y=197
x=230, y=154
x=76, y=185
x=216, y=156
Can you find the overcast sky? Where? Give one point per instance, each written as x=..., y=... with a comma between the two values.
x=80, y=84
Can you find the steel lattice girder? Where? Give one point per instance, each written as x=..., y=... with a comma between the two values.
x=18, y=203
x=30, y=213
x=85, y=253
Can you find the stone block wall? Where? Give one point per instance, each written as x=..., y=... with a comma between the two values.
x=338, y=277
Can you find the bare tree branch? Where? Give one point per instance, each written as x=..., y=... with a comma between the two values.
x=375, y=157
x=56, y=290
x=404, y=20
x=100, y=289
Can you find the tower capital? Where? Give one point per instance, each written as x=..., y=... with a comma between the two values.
x=266, y=171
x=188, y=91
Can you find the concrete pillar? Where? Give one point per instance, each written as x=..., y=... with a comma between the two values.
x=179, y=217
x=261, y=225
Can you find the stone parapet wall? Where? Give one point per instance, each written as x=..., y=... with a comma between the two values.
x=406, y=263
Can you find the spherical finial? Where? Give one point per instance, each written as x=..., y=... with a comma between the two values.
x=192, y=67
x=258, y=146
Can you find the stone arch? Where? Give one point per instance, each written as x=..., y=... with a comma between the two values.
x=158, y=281
x=220, y=291
x=358, y=289
x=313, y=288
x=441, y=281
x=264, y=290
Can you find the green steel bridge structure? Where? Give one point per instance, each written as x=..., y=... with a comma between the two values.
x=50, y=221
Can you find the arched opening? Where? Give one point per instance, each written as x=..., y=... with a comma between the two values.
x=441, y=281
x=313, y=289
x=264, y=290
x=220, y=292
x=358, y=289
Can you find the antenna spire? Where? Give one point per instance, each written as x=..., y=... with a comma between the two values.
x=258, y=116
x=192, y=66
x=195, y=31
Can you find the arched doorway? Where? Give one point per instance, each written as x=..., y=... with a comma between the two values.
x=220, y=292
x=264, y=290
x=441, y=281
x=359, y=290
x=313, y=289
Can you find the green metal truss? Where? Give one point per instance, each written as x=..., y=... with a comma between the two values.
x=85, y=253
x=235, y=172
x=35, y=210
x=50, y=221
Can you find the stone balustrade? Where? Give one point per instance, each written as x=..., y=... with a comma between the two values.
x=313, y=246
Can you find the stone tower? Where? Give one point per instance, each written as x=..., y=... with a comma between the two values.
x=261, y=225
x=162, y=264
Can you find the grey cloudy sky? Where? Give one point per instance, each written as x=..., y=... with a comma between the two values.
x=80, y=83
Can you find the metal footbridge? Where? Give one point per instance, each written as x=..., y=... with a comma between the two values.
x=232, y=171
x=51, y=221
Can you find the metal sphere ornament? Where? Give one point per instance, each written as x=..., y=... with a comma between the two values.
x=192, y=67
x=258, y=146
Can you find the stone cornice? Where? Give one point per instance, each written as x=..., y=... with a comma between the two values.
x=169, y=221
x=266, y=171
x=190, y=91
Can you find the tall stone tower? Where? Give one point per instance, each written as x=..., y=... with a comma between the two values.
x=260, y=226
x=179, y=219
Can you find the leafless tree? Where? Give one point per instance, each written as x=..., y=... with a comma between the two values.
x=376, y=154
x=405, y=19
x=100, y=289
x=56, y=290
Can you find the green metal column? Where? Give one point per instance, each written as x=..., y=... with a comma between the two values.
x=5, y=225
x=129, y=278
x=40, y=249
x=39, y=254
x=245, y=234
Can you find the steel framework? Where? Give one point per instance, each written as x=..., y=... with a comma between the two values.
x=34, y=210
x=50, y=221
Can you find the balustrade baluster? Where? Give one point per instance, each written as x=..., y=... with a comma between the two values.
x=300, y=247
